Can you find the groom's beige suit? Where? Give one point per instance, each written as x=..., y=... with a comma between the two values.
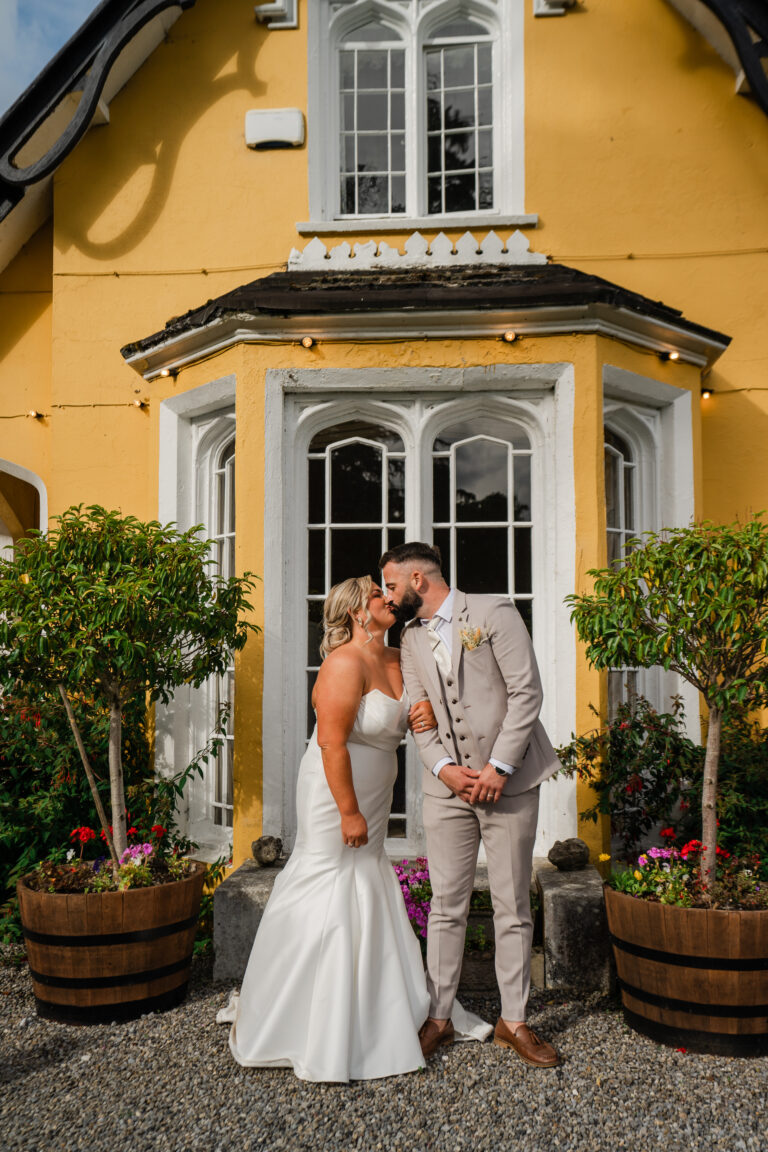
x=487, y=708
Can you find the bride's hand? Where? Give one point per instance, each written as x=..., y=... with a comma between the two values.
x=354, y=830
x=421, y=717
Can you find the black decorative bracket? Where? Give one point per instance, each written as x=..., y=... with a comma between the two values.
x=82, y=65
x=746, y=22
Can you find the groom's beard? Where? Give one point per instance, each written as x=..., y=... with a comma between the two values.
x=408, y=606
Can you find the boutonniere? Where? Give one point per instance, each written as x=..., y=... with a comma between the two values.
x=472, y=638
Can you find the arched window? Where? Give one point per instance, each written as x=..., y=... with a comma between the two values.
x=223, y=535
x=356, y=510
x=482, y=509
x=422, y=109
x=621, y=525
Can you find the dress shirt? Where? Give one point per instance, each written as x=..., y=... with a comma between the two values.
x=441, y=622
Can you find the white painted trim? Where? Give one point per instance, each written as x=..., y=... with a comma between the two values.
x=479, y=221
x=34, y=480
x=417, y=253
x=552, y=7
x=298, y=403
x=183, y=726
x=653, y=335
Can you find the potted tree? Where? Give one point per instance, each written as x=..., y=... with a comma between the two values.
x=690, y=933
x=109, y=609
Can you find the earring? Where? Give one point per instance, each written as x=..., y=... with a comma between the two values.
x=359, y=620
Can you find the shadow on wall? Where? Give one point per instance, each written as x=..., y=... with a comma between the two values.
x=19, y=509
x=199, y=64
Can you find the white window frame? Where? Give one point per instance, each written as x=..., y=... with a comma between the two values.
x=656, y=421
x=194, y=428
x=416, y=403
x=414, y=22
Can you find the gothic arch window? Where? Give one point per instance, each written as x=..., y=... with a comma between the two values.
x=422, y=110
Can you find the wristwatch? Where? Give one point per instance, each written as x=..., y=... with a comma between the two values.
x=500, y=771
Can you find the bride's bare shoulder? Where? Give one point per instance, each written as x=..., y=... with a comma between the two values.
x=342, y=661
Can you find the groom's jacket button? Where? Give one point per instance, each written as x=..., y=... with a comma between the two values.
x=454, y=700
x=462, y=737
x=449, y=683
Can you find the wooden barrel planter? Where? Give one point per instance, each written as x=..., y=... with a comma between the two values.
x=692, y=978
x=110, y=955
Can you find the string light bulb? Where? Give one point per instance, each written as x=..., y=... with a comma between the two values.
x=509, y=337
x=307, y=341
x=139, y=403
x=674, y=355
x=34, y=414
x=165, y=371
x=706, y=393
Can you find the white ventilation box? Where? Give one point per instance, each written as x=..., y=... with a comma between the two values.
x=274, y=128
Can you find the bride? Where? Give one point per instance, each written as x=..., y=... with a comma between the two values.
x=335, y=985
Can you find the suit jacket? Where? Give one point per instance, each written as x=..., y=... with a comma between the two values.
x=489, y=704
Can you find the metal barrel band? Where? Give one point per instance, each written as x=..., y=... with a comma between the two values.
x=738, y=1011
x=694, y=1040
x=713, y=963
x=106, y=1013
x=100, y=940
x=111, y=981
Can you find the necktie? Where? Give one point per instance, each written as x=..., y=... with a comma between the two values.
x=439, y=648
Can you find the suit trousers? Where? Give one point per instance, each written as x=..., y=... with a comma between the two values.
x=454, y=830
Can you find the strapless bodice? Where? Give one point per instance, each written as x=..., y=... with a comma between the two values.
x=381, y=721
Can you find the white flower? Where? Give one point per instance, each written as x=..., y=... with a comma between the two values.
x=70, y=854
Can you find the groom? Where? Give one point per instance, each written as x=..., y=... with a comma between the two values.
x=471, y=656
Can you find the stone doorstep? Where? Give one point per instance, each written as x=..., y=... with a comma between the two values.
x=576, y=942
x=240, y=900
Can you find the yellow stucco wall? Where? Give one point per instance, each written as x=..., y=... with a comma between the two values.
x=643, y=167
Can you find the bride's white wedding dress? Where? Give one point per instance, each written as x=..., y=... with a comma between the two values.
x=335, y=986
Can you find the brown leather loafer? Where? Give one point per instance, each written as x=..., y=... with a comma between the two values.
x=527, y=1045
x=431, y=1037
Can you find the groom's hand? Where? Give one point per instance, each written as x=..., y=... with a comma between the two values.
x=460, y=780
x=488, y=786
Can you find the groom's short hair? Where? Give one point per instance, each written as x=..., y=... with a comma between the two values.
x=414, y=553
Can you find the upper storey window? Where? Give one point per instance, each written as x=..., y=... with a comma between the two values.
x=418, y=109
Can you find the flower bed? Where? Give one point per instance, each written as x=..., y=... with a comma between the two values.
x=673, y=876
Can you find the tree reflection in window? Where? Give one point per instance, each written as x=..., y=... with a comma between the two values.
x=482, y=509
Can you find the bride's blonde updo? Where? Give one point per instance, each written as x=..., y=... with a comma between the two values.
x=349, y=596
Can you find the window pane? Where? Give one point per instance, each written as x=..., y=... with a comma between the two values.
x=523, y=582
x=629, y=501
x=460, y=193
x=397, y=185
x=311, y=678
x=314, y=630
x=347, y=69
x=372, y=69
x=372, y=154
x=397, y=69
x=373, y=194
x=481, y=481
x=397, y=111
x=434, y=70
x=348, y=152
x=485, y=148
x=372, y=111
x=398, y=152
x=316, y=565
x=434, y=114
x=525, y=608
x=355, y=552
x=481, y=560
x=348, y=112
x=460, y=27
x=460, y=109
x=356, y=488
x=486, y=189
x=521, y=466
x=371, y=32
x=441, y=538
x=612, y=489
x=441, y=488
x=463, y=429
x=395, y=536
x=316, y=486
x=357, y=428
x=459, y=151
x=614, y=547
x=396, y=490
x=435, y=155
x=484, y=105
x=459, y=66
x=348, y=194
x=484, y=63
x=435, y=194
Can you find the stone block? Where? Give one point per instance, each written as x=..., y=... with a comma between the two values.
x=576, y=944
x=238, y=905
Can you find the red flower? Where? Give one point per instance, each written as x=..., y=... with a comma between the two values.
x=635, y=785
x=681, y=1050
x=668, y=833
x=104, y=835
x=83, y=835
x=159, y=831
x=132, y=832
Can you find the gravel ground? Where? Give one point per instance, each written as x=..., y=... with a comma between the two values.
x=166, y=1083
